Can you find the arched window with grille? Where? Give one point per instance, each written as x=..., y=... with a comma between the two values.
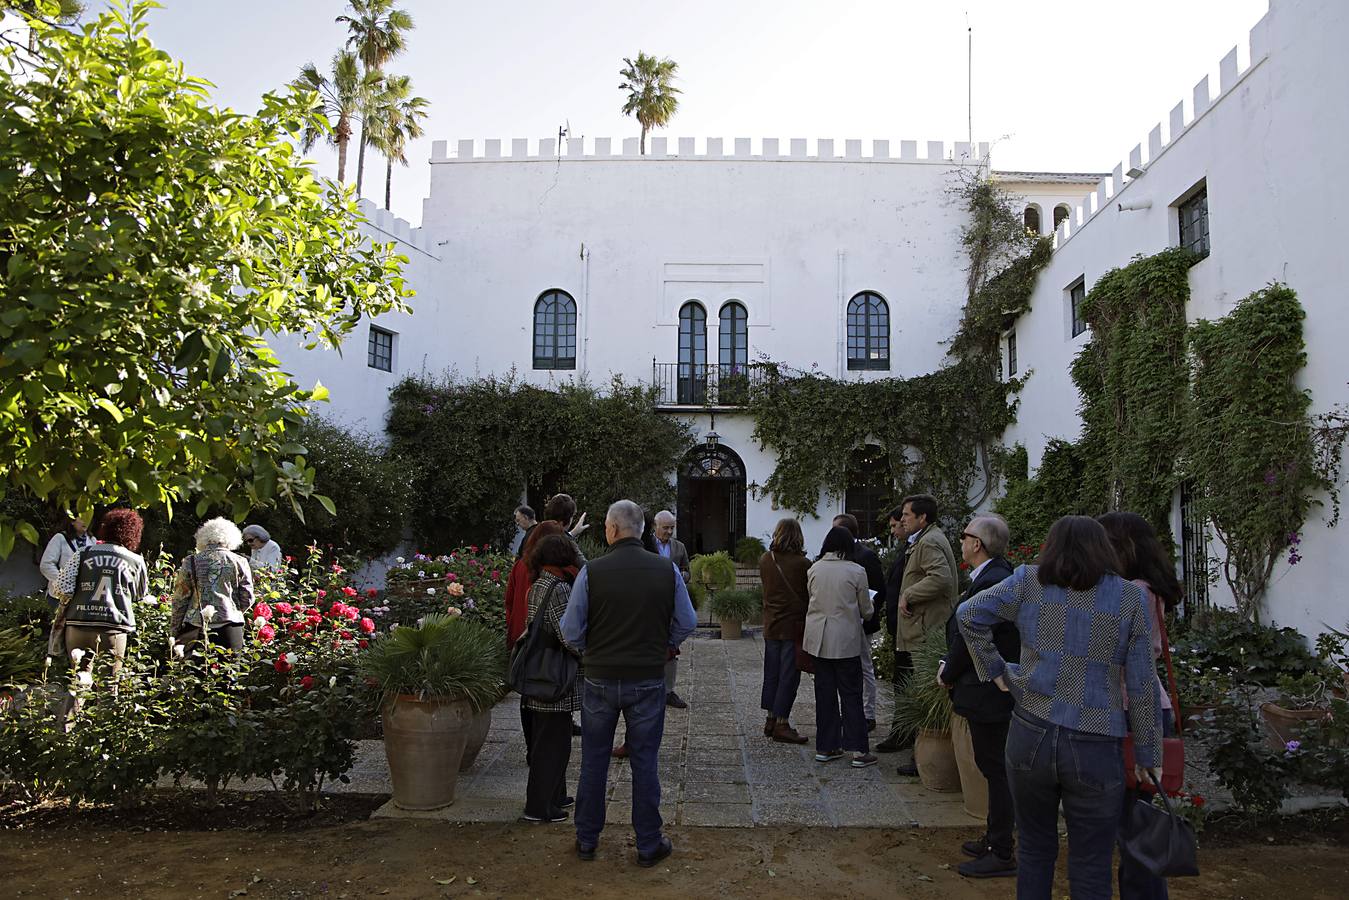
x=555, y=331
x=868, y=332
x=1030, y=217
x=1061, y=212
x=692, y=354
x=733, y=354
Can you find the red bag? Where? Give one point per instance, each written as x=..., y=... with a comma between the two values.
x=1173, y=748
x=804, y=661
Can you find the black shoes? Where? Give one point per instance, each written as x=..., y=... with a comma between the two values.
x=552, y=818
x=990, y=865
x=673, y=699
x=908, y=770
x=893, y=744
x=567, y=803
x=646, y=862
x=975, y=848
x=584, y=852
x=871, y=725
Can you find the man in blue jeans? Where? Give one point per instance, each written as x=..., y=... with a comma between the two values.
x=627, y=610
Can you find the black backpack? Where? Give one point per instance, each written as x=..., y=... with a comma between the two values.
x=541, y=668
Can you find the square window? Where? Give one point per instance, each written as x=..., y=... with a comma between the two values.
x=379, y=354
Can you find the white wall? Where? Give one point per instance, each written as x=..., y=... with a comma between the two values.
x=1270, y=147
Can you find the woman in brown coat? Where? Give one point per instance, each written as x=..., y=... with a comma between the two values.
x=783, y=572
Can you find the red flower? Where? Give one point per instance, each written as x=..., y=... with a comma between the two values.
x=307, y=682
x=371, y=593
x=1197, y=800
x=362, y=643
x=473, y=547
x=299, y=625
x=496, y=573
x=285, y=608
x=336, y=609
x=367, y=626
x=450, y=576
x=351, y=613
x=347, y=635
x=282, y=665
x=290, y=559
x=266, y=634
x=314, y=618
x=349, y=591
x=338, y=569
x=262, y=611
x=322, y=593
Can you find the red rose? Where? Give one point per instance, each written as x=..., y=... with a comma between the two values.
x=450, y=576
x=367, y=626
x=496, y=574
x=362, y=643
x=285, y=608
x=290, y=559
x=473, y=547
x=282, y=665
x=1197, y=800
x=347, y=635
x=349, y=591
x=262, y=611
x=351, y=613
x=307, y=682
x=371, y=593
x=322, y=593
x=314, y=618
x=299, y=625
x=266, y=634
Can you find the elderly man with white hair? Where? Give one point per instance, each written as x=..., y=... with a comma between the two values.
x=675, y=552
x=626, y=611
x=264, y=553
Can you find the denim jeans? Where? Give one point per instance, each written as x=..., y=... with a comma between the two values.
x=781, y=678
x=1046, y=764
x=642, y=704
x=838, y=683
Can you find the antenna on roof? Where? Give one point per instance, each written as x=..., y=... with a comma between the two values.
x=969, y=74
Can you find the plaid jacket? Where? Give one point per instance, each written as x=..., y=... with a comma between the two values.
x=1079, y=651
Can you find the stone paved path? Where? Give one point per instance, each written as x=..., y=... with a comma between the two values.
x=716, y=766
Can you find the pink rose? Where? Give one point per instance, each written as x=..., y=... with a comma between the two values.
x=285, y=608
x=266, y=634
x=450, y=576
x=349, y=591
x=351, y=614
x=262, y=611
x=367, y=626
x=322, y=593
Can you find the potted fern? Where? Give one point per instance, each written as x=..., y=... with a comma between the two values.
x=434, y=681
x=709, y=573
x=924, y=710
x=732, y=608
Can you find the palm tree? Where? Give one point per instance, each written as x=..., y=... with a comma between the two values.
x=651, y=96
x=341, y=98
x=377, y=32
x=397, y=121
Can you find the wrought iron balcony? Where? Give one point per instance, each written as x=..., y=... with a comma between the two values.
x=699, y=384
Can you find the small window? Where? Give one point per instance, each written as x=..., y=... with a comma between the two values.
x=380, y=353
x=1077, y=294
x=555, y=331
x=1194, y=222
x=1061, y=212
x=1011, y=354
x=868, y=332
x=1031, y=219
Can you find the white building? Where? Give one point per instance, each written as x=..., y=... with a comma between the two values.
x=588, y=259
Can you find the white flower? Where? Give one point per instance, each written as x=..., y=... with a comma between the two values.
x=292, y=658
x=76, y=655
x=85, y=679
x=421, y=574
x=430, y=590
x=399, y=560
x=332, y=682
x=207, y=613
x=259, y=622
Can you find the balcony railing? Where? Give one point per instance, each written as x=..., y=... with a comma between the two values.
x=695, y=384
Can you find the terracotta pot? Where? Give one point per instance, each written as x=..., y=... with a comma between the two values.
x=477, y=736
x=936, y=761
x=730, y=630
x=973, y=784
x=424, y=742
x=1286, y=724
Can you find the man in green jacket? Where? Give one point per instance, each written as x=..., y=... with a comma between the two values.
x=928, y=591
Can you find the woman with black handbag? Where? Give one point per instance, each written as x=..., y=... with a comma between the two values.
x=553, y=565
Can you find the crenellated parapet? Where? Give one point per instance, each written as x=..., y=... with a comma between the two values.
x=687, y=148
x=390, y=226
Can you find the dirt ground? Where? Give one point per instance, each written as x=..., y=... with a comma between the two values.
x=174, y=853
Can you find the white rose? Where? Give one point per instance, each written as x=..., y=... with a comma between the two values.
x=292, y=658
x=259, y=622
x=430, y=590
x=399, y=560
x=207, y=613
x=76, y=655
x=332, y=682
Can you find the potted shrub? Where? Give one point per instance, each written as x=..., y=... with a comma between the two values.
x=709, y=573
x=732, y=608
x=748, y=550
x=432, y=680
x=924, y=709
x=1302, y=699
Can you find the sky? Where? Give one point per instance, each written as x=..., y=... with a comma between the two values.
x=1058, y=85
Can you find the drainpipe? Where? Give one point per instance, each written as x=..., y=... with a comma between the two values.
x=841, y=326
x=585, y=309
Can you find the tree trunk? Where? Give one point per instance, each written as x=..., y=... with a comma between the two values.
x=388, y=180
x=342, y=157
x=360, y=162
x=644, y=140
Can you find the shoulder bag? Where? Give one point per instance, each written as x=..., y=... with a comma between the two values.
x=56, y=641
x=1159, y=840
x=541, y=668
x=1173, y=748
x=804, y=661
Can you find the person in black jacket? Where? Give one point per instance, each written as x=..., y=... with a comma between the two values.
x=987, y=708
x=865, y=557
x=903, y=667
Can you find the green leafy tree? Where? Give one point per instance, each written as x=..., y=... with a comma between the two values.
x=150, y=244
x=397, y=120
x=652, y=97
x=342, y=98
x=377, y=33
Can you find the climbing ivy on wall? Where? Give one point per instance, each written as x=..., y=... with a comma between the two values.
x=473, y=446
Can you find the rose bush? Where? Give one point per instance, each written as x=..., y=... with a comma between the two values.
x=471, y=579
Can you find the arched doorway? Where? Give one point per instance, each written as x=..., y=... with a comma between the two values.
x=711, y=507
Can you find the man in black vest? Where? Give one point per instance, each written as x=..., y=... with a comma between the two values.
x=987, y=708
x=626, y=611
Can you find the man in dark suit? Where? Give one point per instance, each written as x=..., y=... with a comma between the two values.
x=903, y=667
x=987, y=708
x=865, y=557
x=675, y=552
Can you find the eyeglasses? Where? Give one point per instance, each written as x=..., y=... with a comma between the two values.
x=973, y=537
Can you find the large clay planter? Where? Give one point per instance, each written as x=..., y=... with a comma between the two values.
x=477, y=736
x=730, y=629
x=936, y=761
x=1286, y=724
x=973, y=785
x=424, y=742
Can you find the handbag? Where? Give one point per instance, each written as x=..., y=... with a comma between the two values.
x=541, y=668
x=804, y=661
x=1173, y=748
x=1158, y=839
x=56, y=640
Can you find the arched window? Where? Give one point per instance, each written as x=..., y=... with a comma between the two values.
x=555, y=331
x=692, y=354
x=868, y=332
x=1031, y=219
x=733, y=337
x=1061, y=212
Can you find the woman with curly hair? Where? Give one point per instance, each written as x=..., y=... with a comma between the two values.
x=99, y=587
x=214, y=589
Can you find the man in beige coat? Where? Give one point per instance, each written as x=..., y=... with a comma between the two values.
x=930, y=586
